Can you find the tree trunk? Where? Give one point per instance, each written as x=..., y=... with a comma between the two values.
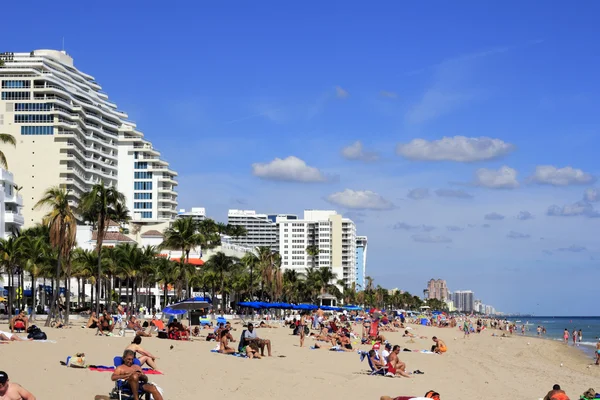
x=100, y=239
x=67, y=297
x=33, y=296
x=10, y=290
x=57, y=280
x=165, y=289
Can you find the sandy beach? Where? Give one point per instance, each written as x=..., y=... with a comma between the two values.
x=480, y=367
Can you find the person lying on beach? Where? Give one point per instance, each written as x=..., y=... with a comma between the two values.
x=556, y=394
x=145, y=356
x=10, y=391
x=135, y=377
x=439, y=346
x=412, y=335
x=250, y=336
x=265, y=325
x=224, y=343
x=19, y=322
x=105, y=324
x=134, y=324
x=432, y=394
x=92, y=321
x=11, y=337
x=395, y=366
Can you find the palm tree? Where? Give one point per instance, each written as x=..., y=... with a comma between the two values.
x=313, y=251
x=6, y=139
x=101, y=201
x=10, y=254
x=36, y=250
x=63, y=230
x=223, y=266
x=167, y=274
x=250, y=261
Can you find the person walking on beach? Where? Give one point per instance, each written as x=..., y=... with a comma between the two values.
x=580, y=336
x=566, y=336
x=598, y=352
x=575, y=336
x=466, y=329
x=301, y=326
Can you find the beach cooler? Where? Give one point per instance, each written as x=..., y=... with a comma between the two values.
x=128, y=333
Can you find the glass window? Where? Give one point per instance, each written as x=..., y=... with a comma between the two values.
x=33, y=106
x=16, y=95
x=142, y=205
x=37, y=130
x=140, y=165
x=34, y=118
x=142, y=196
x=16, y=84
x=142, y=185
x=147, y=214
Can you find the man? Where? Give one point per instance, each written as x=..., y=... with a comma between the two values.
x=439, y=346
x=385, y=354
x=395, y=366
x=105, y=324
x=135, y=325
x=250, y=336
x=19, y=322
x=13, y=391
x=556, y=394
x=598, y=352
x=134, y=376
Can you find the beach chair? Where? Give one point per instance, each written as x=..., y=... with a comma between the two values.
x=121, y=391
x=374, y=371
x=241, y=343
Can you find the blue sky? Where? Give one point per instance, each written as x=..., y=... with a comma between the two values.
x=224, y=89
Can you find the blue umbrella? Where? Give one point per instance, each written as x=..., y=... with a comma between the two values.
x=169, y=310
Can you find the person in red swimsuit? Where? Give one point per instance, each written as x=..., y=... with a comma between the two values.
x=19, y=322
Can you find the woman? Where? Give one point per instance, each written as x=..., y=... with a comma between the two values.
x=252, y=351
x=145, y=356
x=93, y=321
x=224, y=343
x=566, y=336
x=575, y=335
x=301, y=327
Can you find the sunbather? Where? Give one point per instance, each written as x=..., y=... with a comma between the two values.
x=11, y=337
x=134, y=376
x=265, y=325
x=9, y=390
x=377, y=363
x=105, y=324
x=412, y=335
x=135, y=325
x=395, y=366
x=439, y=346
x=224, y=343
x=92, y=321
x=429, y=395
x=19, y=322
x=145, y=356
x=250, y=336
x=252, y=351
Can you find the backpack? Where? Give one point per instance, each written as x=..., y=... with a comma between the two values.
x=35, y=333
x=76, y=361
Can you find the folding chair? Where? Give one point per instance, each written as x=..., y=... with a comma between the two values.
x=122, y=391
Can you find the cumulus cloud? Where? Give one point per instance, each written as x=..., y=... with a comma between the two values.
x=341, y=93
x=458, y=193
x=592, y=195
x=524, y=215
x=356, y=151
x=580, y=208
x=457, y=148
x=359, y=200
x=517, y=235
x=428, y=238
x=290, y=169
x=574, y=248
x=385, y=93
x=407, y=227
x=455, y=228
x=494, y=216
x=504, y=178
x=550, y=175
x=418, y=194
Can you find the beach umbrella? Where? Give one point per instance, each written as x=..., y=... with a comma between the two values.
x=169, y=310
x=194, y=303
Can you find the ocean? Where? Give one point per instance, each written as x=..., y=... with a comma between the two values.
x=555, y=326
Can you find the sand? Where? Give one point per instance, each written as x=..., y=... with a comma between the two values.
x=480, y=367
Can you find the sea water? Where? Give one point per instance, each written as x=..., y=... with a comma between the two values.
x=555, y=327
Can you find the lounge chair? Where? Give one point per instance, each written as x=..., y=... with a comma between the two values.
x=121, y=391
x=374, y=371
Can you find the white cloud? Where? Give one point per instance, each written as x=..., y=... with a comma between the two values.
x=341, y=93
x=428, y=238
x=573, y=210
x=356, y=151
x=291, y=169
x=504, y=178
x=458, y=193
x=550, y=175
x=407, y=227
x=574, y=248
x=517, y=235
x=457, y=148
x=524, y=215
x=592, y=195
x=418, y=194
x=360, y=200
x=493, y=217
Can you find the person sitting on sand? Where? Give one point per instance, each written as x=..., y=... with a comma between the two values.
x=224, y=343
x=395, y=366
x=134, y=324
x=19, y=322
x=345, y=342
x=250, y=336
x=105, y=324
x=92, y=321
x=556, y=394
x=135, y=377
x=177, y=331
x=10, y=391
x=145, y=356
x=439, y=346
x=252, y=351
x=11, y=337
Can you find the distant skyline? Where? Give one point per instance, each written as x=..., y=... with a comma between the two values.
x=461, y=137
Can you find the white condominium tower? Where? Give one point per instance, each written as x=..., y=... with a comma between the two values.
x=69, y=133
x=334, y=236
x=262, y=229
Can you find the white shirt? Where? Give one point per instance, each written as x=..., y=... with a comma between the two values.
x=384, y=355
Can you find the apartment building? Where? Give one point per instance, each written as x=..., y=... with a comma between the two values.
x=262, y=229
x=361, y=262
x=438, y=289
x=69, y=133
x=334, y=236
x=464, y=300
x=11, y=202
x=196, y=213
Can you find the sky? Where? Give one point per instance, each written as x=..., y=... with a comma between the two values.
x=462, y=137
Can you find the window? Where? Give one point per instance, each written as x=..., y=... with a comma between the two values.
x=143, y=175
x=142, y=205
x=34, y=118
x=16, y=95
x=16, y=84
x=37, y=130
x=147, y=214
x=142, y=185
x=142, y=196
x=33, y=106
x=140, y=165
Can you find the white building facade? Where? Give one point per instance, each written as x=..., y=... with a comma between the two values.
x=262, y=229
x=69, y=133
x=361, y=261
x=196, y=213
x=11, y=202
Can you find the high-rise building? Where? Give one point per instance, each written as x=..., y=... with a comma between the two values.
x=196, y=213
x=463, y=300
x=333, y=235
x=261, y=229
x=361, y=262
x=69, y=133
x=11, y=202
x=437, y=289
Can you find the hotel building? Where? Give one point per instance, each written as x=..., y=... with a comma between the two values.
x=69, y=133
x=361, y=262
x=11, y=202
x=262, y=229
x=437, y=289
x=195, y=213
x=464, y=300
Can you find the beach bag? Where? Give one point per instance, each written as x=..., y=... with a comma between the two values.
x=163, y=335
x=35, y=333
x=76, y=361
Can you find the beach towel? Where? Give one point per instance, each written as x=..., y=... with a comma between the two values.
x=231, y=354
x=104, y=368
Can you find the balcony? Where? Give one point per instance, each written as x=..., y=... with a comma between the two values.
x=12, y=217
x=13, y=198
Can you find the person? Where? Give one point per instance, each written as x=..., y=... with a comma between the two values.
x=466, y=329
x=395, y=366
x=145, y=356
x=135, y=325
x=412, y=335
x=10, y=391
x=250, y=336
x=580, y=333
x=556, y=394
x=92, y=321
x=105, y=324
x=431, y=394
x=566, y=336
x=224, y=343
x=19, y=322
x=252, y=351
x=598, y=352
x=385, y=354
x=11, y=337
x=135, y=377
x=301, y=326
x=439, y=346
x=574, y=337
